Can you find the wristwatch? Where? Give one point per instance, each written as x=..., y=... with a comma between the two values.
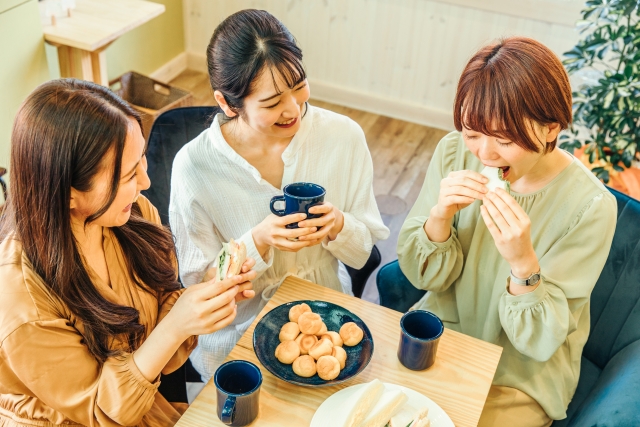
x=529, y=281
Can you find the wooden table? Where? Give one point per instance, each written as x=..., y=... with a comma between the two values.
x=459, y=381
x=91, y=28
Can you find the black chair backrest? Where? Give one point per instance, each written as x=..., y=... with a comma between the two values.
x=615, y=300
x=359, y=277
x=169, y=133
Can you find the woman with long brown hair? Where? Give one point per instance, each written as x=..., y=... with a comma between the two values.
x=515, y=268
x=91, y=311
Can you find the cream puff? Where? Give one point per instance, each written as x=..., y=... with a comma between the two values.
x=334, y=337
x=289, y=331
x=322, y=348
x=351, y=334
x=287, y=352
x=323, y=330
x=340, y=354
x=328, y=368
x=305, y=342
x=297, y=310
x=310, y=323
x=305, y=366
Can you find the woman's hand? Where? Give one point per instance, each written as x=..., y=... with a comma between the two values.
x=272, y=232
x=329, y=224
x=245, y=290
x=510, y=227
x=457, y=191
x=208, y=306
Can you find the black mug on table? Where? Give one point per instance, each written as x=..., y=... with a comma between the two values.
x=420, y=333
x=298, y=198
x=238, y=391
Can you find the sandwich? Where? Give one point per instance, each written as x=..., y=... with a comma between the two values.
x=410, y=416
x=496, y=179
x=385, y=408
x=421, y=420
x=230, y=259
x=357, y=406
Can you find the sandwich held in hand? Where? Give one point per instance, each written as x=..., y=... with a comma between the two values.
x=307, y=344
x=230, y=259
x=496, y=179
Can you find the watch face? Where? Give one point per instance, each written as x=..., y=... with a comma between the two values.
x=533, y=279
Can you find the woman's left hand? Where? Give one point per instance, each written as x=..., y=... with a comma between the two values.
x=331, y=221
x=245, y=290
x=510, y=227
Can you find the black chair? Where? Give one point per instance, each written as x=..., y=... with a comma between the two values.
x=359, y=277
x=3, y=171
x=170, y=131
x=608, y=392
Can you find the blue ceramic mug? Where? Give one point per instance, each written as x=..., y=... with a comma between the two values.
x=238, y=389
x=420, y=333
x=298, y=198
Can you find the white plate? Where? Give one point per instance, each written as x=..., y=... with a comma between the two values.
x=323, y=416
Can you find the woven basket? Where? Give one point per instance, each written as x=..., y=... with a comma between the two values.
x=150, y=97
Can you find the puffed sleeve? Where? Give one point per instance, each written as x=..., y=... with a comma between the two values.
x=49, y=359
x=538, y=323
x=363, y=226
x=198, y=244
x=428, y=265
x=183, y=352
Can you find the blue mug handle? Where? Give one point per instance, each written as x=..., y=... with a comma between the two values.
x=228, y=411
x=274, y=200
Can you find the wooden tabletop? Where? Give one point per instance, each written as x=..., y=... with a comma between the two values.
x=459, y=381
x=95, y=23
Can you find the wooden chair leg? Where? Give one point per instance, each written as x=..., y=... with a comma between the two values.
x=99, y=64
x=87, y=66
x=65, y=60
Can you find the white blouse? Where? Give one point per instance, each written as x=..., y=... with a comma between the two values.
x=216, y=195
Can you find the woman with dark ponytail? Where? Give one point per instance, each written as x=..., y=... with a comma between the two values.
x=269, y=136
x=91, y=311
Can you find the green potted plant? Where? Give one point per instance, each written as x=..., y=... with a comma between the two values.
x=606, y=105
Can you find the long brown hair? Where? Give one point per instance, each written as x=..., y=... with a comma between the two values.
x=60, y=138
x=510, y=81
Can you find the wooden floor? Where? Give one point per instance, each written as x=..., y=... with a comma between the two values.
x=401, y=152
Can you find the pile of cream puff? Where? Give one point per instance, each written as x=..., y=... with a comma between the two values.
x=307, y=345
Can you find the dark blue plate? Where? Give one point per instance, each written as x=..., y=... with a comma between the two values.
x=265, y=341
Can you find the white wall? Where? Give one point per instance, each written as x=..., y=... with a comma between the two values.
x=400, y=58
x=23, y=64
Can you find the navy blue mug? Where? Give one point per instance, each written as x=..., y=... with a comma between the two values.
x=238, y=385
x=420, y=333
x=298, y=198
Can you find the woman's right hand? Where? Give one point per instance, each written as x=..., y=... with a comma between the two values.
x=208, y=306
x=272, y=232
x=457, y=191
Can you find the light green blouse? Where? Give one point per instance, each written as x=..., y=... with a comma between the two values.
x=542, y=332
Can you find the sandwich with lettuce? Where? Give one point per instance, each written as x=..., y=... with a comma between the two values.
x=230, y=259
x=496, y=179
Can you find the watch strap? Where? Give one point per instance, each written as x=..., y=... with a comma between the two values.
x=529, y=281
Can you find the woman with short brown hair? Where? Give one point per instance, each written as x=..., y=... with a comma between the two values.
x=515, y=268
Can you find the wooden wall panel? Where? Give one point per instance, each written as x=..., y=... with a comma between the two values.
x=401, y=58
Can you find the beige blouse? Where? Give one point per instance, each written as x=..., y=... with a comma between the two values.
x=48, y=376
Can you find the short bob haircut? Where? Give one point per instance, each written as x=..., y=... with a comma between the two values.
x=508, y=84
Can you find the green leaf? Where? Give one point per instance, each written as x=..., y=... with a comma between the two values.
x=608, y=99
x=628, y=71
